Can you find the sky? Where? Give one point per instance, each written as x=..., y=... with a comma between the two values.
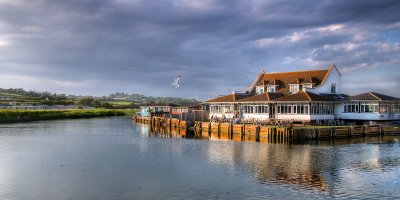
x=98, y=47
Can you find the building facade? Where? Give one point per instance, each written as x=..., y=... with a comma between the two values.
x=303, y=96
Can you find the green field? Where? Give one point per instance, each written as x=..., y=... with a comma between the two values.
x=121, y=103
x=10, y=116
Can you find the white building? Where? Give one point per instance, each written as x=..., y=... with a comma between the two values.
x=301, y=96
x=369, y=106
x=160, y=108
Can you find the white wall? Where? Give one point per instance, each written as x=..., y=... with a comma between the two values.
x=333, y=77
x=370, y=116
x=339, y=113
x=297, y=117
x=256, y=116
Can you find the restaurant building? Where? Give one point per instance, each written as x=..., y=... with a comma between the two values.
x=303, y=96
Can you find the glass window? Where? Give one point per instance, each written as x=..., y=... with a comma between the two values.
x=333, y=88
x=395, y=107
x=351, y=107
x=271, y=88
x=260, y=89
x=294, y=88
x=384, y=107
x=369, y=107
x=307, y=85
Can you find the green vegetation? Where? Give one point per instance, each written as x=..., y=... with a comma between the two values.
x=10, y=116
x=129, y=112
x=119, y=100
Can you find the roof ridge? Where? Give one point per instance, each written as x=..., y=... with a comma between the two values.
x=308, y=96
x=372, y=93
x=297, y=71
x=266, y=93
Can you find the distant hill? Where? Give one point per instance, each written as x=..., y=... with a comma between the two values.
x=117, y=100
x=142, y=99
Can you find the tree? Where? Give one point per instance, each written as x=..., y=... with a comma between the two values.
x=85, y=101
x=107, y=105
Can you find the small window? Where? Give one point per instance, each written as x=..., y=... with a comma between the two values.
x=307, y=85
x=333, y=88
x=271, y=88
x=294, y=89
x=260, y=90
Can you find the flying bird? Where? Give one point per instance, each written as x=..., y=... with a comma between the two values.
x=176, y=81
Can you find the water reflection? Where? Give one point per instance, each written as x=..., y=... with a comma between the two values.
x=109, y=158
x=330, y=167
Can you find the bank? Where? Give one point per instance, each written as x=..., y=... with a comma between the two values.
x=13, y=116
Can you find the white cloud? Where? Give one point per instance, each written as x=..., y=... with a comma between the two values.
x=330, y=28
x=12, y=2
x=348, y=69
x=348, y=46
x=288, y=60
x=388, y=47
x=4, y=41
x=300, y=36
x=23, y=81
x=201, y=5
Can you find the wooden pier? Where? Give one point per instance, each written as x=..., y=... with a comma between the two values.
x=264, y=134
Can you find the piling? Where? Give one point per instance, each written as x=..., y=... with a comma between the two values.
x=237, y=132
x=251, y=133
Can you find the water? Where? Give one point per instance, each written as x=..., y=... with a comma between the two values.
x=112, y=158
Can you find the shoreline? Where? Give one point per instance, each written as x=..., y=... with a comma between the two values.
x=17, y=116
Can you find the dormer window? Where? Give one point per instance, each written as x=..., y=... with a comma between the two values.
x=310, y=82
x=307, y=85
x=271, y=88
x=294, y=88
x=260, y=89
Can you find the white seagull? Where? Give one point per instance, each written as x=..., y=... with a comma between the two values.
x=175, y=83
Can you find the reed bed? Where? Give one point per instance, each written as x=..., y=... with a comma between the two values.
x=11, y=116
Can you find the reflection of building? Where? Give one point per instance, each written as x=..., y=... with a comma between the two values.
x=313, y=95
x=273, y=164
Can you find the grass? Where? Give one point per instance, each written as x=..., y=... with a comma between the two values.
x=11, y=116
x=120, y=103
x=128, y=112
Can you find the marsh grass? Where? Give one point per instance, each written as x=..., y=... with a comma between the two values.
x=10, y=116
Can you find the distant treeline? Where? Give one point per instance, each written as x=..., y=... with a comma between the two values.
x=131, y=101
x=11, y=116
x=39, y=95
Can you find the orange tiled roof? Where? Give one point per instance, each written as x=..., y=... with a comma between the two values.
x=373, y=96
x=304, y=96
x=296, y=81
x=230, y=98
x=273, y=82
x=311, y=80
x=263, y=82
x=264, y=97
x=283, y=79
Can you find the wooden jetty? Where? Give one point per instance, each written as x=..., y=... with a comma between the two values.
x=264, y=134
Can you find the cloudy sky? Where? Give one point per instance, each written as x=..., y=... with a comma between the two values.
x=98, y=47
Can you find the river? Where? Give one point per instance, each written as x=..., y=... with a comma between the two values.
x=114, y=158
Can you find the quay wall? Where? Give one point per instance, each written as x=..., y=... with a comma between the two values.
x=267, y=134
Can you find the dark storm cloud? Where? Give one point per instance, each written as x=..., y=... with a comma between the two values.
x=102, y=46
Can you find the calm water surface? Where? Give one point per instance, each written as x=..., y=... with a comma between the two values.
x=112, y=158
